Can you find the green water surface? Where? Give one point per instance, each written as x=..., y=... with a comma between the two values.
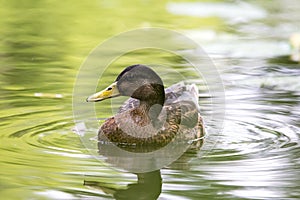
x=44, y=43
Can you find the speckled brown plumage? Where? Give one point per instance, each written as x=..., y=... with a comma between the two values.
x=181, y=115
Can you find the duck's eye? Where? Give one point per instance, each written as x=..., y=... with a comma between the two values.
x=110, y=88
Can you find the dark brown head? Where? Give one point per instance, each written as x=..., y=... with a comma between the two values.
x=136, y=81
x=141, y=82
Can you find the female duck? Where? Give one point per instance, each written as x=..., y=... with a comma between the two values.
x=153, y=115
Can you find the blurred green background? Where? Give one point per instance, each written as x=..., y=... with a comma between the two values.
x=43, y=44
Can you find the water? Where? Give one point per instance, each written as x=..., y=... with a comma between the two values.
x=42, y=47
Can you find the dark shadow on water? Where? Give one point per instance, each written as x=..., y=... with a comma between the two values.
x=148, y=186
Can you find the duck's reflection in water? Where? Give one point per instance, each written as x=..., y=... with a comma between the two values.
x=149, y=184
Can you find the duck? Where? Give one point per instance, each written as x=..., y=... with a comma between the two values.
x=153, y=115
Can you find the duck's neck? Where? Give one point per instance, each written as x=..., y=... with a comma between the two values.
x=150, y=111
x=155, y=102
x=150, y=108
x=144, y=114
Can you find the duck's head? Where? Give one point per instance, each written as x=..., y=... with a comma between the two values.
x=136, y=81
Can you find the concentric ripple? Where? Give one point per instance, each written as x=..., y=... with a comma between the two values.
x=257, y=155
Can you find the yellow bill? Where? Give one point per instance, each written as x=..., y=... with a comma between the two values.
x=109, y=92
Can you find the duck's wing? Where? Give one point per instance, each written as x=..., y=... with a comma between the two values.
x=182, y=92
x=182, y=109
